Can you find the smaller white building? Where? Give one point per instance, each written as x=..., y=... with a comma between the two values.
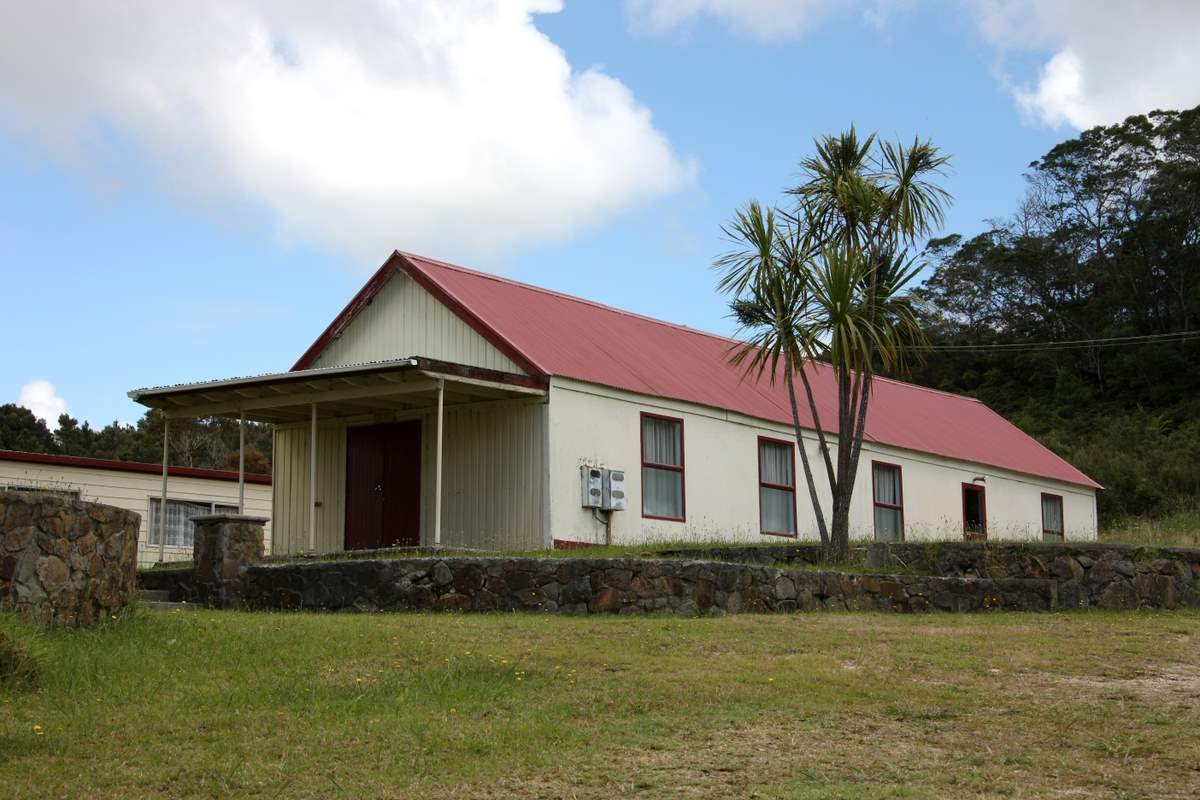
x=136, y=486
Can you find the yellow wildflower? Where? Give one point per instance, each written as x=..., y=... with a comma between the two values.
x=37, y=730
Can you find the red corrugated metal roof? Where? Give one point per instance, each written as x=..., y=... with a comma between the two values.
x=130, y=466
x=556, y=334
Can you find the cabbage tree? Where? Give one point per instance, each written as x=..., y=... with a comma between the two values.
x=825, y=281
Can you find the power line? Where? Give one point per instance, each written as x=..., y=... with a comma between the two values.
x=1072, y=344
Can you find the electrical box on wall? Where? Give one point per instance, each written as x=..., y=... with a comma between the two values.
x=614, y=489
x=592, y=485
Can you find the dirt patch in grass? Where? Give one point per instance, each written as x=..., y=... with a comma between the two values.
x=925, y=754
x=1168, y=686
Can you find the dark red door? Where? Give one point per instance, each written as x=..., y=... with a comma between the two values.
x=383, y=485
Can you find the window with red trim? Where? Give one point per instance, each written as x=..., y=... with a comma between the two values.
x=888, y=487
x=776, y=487
x=1052, y=517
x=662, y=468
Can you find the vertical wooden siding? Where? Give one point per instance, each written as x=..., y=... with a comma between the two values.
x=493, y=492
x=405, y=320
x=291, y=500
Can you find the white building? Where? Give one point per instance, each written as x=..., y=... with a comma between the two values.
x=447, y=406
x=136, y=486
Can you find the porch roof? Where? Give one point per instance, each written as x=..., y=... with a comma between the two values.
x=377, y=387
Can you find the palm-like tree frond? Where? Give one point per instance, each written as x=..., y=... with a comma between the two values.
x=828, y=281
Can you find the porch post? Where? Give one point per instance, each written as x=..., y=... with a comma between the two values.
x=242, y=463
x=162, y=503
x=437, y=473
x=312, y=481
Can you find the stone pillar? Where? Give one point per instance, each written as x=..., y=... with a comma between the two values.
x=225, y=546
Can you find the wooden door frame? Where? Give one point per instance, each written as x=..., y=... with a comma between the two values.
x=419, y=456
x=983, y=526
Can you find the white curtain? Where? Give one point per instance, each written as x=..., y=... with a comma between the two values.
x=180, y=530
x=887, y=485
x=775, y=463
x=1052, y=518
x=662, y=492
x=889, y=522
x=778, y=510
x=777, y=506
x=661, y=442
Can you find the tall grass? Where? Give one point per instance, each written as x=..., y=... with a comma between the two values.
x=1180, y=529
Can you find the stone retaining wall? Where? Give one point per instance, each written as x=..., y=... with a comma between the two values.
x=65, y=561
x=600, y=586
x=1086, y=574
x=973, y=577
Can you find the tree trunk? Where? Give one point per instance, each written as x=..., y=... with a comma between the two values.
x=822, y=531
x=821, y=437
x=838, y=549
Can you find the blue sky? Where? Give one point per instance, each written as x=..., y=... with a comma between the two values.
x=142, y=247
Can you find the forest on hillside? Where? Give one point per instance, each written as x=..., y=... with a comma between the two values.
x=1102, y=253
x=208, y=443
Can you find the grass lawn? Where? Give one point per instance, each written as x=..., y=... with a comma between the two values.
x=304, y=705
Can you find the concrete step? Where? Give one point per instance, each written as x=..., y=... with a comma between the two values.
x=154, y=595
x=161, y=605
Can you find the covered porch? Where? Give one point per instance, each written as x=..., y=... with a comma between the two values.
x=409, y=452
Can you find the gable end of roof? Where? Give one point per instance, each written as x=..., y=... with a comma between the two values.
x=402, y=263
x=357, y=303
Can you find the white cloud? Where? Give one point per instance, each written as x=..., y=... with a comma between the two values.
x=766, y=20
x=1109, y=60
x=1059, y=97
x=452, y=128
x=1103, y=61
x=40, y=397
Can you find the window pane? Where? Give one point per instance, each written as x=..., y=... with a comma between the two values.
x=775, y=463
x=887, y=524
x=887, y=485
x=179, y=521
x=661, y=442
x=1052, y=514
x=662, y=492
x=778, y=510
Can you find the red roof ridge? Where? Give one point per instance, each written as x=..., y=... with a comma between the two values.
x=644, y=317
